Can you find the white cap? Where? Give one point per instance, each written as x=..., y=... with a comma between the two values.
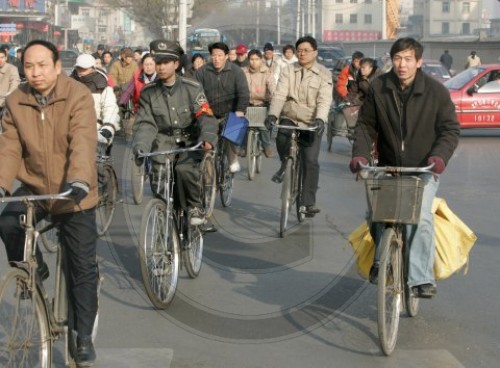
x=85, y=61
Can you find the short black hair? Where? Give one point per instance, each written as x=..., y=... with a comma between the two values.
x=46, y=44
x=5, y=52
x=145, y=56
x=107, y=52
x=288, y=47
x=196, y=56
x=309, y=39
x=255, y=52
x=407, y=43
x=220, y=46
x=357, y=55
x=5, y=47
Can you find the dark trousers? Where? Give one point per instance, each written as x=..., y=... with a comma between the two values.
x=78, y=236
x=309, y=143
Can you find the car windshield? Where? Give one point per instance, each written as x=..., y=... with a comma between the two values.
x=435, y=70
x=461, y=79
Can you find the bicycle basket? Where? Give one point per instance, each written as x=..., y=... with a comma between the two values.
x=256, y=115
x=351, y=115
x=395, y=199
x=235, y=128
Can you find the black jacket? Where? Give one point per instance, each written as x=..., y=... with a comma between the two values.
x=407, y=132
x=226, y=90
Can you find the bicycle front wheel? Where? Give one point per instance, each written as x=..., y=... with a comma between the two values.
x=137, y=182
x=286, y=197
x=193, y=251
x=159, y=253
x=225, y=181
x=252, y=152
x=25, y=339
x=390, y=290
x=108, y=192
x=208, y=184
x=49, y=238
x=329, y=134
x=297, y=193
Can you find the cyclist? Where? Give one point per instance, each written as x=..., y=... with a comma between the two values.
x=227, y=90
x=415, y=121
x=49, y=146
x=106, y=108
x=173, y=112
x=303, y=97
x=272, y=61
x=261, y=84
x=346, y=88
x=9, y=77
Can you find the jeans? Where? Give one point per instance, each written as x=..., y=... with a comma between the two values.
x=78, y=234
x=265, y=137
x=420, y=238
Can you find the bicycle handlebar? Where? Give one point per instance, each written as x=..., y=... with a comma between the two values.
x=295, y=127
x=171, y=152
x=32, y=197
x=396, y=169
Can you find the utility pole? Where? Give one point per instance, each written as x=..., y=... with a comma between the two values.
x=297, y=27
x=278, y=36
x=384, y=19
x=257, y=30
x=313, y=8
x=182, y=23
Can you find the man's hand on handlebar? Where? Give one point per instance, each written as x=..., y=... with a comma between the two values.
x=270, y=122
x=78, y=189
x=138, y=151
x=356, y=162
x=320, y=127
x=439, y=164
x=207, y=146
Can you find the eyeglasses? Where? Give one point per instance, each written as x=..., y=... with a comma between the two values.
x=304, y=51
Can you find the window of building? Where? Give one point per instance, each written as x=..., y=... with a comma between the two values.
x=339, y=19
x=466, y=7
x=368, y=19
x=445, y=7
x=466, y=28
x=86, y=12
x=353, y=18
x=445, y=28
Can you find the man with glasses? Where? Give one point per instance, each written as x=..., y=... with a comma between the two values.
x=303, y=97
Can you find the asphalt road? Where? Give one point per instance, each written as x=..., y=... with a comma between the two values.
x=262, y=301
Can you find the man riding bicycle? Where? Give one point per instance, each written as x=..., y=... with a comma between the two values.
x=415, y=122
x=303, y=97
x=174, y=112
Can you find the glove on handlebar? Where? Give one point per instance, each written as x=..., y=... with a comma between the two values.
x=79, y=191
x=105, y=135
x=137, y=151
x=270, y=122
x=354, y=164
x=439, y=164
x=320, y=125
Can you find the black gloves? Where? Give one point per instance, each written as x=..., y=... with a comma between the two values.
x=79, y=191
x=320, y=127
x=270, y=122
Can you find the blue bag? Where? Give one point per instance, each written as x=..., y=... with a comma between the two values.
x=235, y=129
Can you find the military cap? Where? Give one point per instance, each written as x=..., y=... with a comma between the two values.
x=165, y=49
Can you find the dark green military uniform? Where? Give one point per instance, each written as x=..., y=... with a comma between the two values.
x=170, y=117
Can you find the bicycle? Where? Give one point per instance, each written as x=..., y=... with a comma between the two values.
x=342, y=122
x=165, y=228
x=29, y=321
x=256, y=116
x=108, y=192
x=139, y=175
x=291, y=189
x=224, y=176
x=395, y=200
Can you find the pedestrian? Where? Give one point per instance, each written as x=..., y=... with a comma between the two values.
x=303, y=97
x=173, y=113
x=226, y=88
x=9, y=77
x=262, y=86
x=472, y=60
x=446, y=59
x=414, y=120
x=49, y=144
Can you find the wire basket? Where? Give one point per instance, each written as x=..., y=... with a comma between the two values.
x=395, y=199
x=256, y=115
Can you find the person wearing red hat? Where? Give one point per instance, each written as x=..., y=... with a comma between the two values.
x=241, y=56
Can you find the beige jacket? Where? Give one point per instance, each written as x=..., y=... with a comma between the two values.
x=9, y=80
x=303, y=98
x=261, y=85
x=46, y=147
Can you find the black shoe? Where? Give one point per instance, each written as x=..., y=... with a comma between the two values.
x=426, y=291
x=43, y=271
x=310, y=211
x=279, y=175
x=85, y=352
x=373, y=276
x=208, y=227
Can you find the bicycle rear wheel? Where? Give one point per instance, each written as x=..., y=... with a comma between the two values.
x=225, y=180
x=208, y=184
x=286, y=196
x=193, y=251
x=252, y=152
x=159, y=253
x=108, y=192
x=137, y=182
x=25, y=340
x=390, y=290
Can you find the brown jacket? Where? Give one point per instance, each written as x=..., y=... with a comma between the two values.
x=122, y=73
x=47, y=147
x=303, y=98
x=9, y=80
x=261, y=85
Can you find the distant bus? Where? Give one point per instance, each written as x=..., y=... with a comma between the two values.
x=202, y=37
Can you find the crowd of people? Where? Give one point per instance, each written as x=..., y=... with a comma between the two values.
x=48, y=139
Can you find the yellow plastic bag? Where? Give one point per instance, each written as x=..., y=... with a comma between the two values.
x=454, y=241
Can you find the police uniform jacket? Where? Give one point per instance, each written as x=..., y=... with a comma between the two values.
x=169, y=117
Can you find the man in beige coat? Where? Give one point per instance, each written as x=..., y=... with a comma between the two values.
x=48, y=144
x=303, y=97
x=9, y=77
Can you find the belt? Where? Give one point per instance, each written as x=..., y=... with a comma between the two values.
x=175, y=132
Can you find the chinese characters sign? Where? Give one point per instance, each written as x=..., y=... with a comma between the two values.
x=22, y=7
